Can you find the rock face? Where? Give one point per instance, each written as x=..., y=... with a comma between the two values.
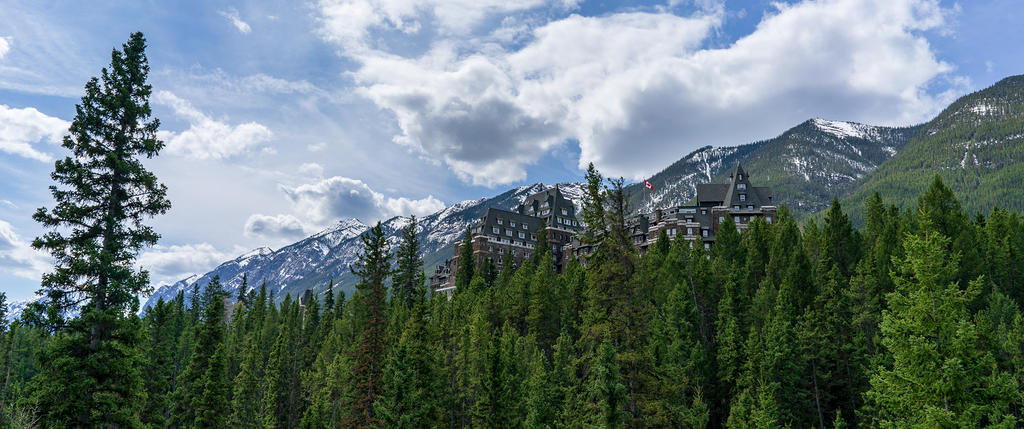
x=314, y=261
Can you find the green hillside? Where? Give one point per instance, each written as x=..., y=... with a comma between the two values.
x=976, y=145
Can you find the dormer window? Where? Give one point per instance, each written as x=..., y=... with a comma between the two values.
x=741, y=186
x=703, y=211
x=499, y=221
x=749, y=207
x=495, y=230
x=736, y=207
x=739, y=177
x=743, y=197
x=564, y=212
x=512, y=224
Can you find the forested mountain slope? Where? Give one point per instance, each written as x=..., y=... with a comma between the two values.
x=976, y=145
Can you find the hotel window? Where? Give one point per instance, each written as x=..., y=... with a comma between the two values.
x=496, y=230
x=499, y=261
x=689, y=231
x=750, y=207
x=524, y=227
x=490, y=249
x=703, y=211
x=721, y=219
x=741, y=186
x=743, y=197
x=707, y=245
x=545, y=212
x=508, y=232
x=736, y=207
x=545, y=204
x=740, y=177
x=526, y=254
x=512, y=252
x=522, y=235
x=704, y=232
x=533, y=237
x=769, y=219
x=512, y=223
x=564, y=212
x=499, y=221
x=501, y=250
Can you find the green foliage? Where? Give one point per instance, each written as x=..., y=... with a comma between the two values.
x=91, y=371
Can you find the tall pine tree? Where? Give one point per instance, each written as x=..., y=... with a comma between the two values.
x=103, y=194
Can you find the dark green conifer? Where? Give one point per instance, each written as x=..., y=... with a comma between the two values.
x=91, y=375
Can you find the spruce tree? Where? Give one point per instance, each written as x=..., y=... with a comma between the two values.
x=205, y=378
x=373, y=269
x=103, y=194
x=408, y=286
x=938, y=377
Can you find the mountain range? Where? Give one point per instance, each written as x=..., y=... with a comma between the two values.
x=974, y=144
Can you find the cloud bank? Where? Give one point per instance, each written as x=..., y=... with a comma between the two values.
x=632, y=88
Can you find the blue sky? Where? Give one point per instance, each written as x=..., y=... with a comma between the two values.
x=281, y=118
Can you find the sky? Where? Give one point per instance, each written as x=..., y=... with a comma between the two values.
x=281, y=118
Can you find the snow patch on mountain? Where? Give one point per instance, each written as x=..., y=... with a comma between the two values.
x=845, y=129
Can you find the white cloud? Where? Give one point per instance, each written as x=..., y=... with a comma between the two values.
x=312, y=169
x=349, y=22
x=283, y=226
x=207, y=138
x=170, y=263
x=232, y=15
x=20, y=128
x=337, y=197
x=316, y=147
x=18, y=257
x=5, y=47
x=635, y=88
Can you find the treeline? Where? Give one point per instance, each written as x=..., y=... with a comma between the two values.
x=913, y=321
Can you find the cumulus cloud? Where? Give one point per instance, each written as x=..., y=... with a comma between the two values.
x=232, y=15
x=207, y=138
x=18, y=257
x=634, y=87
x=342, y=197
x=283, y=226
x=179, y=261
x=20, y=128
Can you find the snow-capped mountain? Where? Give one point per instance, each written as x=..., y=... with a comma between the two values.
x=806, y=166
x=278, y=268
x=314, y=261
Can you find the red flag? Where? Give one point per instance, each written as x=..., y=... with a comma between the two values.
x=648, y=184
